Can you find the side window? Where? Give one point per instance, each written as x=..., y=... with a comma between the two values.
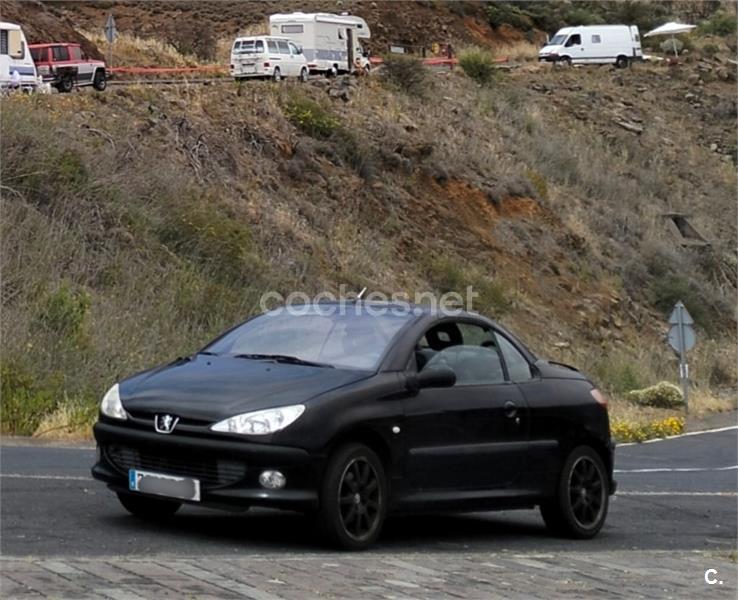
x=39, y=55
x=259, y=47
x=75, y=53
x=11, y=43
x=596, y=39
x=469, y=350
x=60, y=53
x=517, y=366
x=283, y=48
x=574, y=40
x=293, y=49
x=292, y=29
x=273, y=49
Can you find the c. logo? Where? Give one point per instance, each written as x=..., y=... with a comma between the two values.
x=165, y=423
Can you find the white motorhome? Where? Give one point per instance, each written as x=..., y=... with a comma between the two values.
x=331, y=43
x=15, y=58
x=265, y=56
x=594, y=44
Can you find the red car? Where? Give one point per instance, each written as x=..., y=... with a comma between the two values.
x=64, y=65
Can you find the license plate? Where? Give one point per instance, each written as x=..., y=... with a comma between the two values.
x=182, y=488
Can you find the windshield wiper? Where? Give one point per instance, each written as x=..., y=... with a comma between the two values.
x=283, y=358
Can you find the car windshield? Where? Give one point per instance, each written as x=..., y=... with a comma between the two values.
x=557, y=40
x=248, y=47
x=352, y=337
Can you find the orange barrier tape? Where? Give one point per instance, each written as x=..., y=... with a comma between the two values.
x=163, y=70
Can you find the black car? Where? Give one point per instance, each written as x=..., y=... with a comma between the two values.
x=353, y=411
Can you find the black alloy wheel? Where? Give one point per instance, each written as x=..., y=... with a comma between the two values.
x=354, y=497
x=580, y=506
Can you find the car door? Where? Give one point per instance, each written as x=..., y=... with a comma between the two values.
x=472, y=435
x=287, y=64
x=296, y=60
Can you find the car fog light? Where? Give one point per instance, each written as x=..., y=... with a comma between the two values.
x=273, y=480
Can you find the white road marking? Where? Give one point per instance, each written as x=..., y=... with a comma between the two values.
x=59, y=477
x=672, y=437
x=676, y=469
x=731, y=494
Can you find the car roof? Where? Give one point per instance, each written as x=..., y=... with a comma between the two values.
x=262, y=37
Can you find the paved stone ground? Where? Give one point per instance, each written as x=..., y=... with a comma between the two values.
x=619, y=574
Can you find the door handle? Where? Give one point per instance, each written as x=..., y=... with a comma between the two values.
x=510, y=409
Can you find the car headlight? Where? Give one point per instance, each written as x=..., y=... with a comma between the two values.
x=261, y=422
x=111, y=405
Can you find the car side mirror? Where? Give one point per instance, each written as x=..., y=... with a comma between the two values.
x=299, y=49
x=438, y=377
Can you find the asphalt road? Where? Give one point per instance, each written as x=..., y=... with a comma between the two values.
x=678, y=494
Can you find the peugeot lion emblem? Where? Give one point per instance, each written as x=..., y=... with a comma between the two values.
x=165, y=423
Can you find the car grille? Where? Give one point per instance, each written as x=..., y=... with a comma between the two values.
x=211, y=471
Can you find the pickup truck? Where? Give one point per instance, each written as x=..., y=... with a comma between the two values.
x=64, y=65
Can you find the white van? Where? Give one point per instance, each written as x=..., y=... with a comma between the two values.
x=594, y=44
x=267, y=57
x=15, y=57
x=331, y=43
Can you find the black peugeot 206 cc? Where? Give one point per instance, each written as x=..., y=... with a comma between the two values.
x=354, y=411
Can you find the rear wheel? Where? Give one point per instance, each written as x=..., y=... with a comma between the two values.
x=99, y=82
x=622, y=62
x=353, y=500
x=148, y=508
x=65, y=84
x=580, y=506
x=277, y=76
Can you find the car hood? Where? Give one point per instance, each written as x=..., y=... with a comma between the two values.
x=549, y=50
x=216, y=387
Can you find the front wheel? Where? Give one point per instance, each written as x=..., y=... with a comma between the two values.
x=580, y=506
x=565, y=60
x=353, y=499
x=100, y=82
x=148, y=508
x=303, y=75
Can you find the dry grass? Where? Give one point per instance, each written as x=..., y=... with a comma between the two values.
x=520, y=51
x=68, y=422
x=133, y=51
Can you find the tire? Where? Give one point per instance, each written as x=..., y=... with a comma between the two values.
x=332, y=72
x=565, y=61
x=622, y=62
x=304, y=75
x=100, y=81
x=353, y=498
x=277, y=75
x=580, y=506
x=65, y=84
x=148, y=508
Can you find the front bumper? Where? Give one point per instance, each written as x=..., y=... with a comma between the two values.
x=302, y=471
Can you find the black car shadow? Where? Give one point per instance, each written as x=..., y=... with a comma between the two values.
x=263, y=529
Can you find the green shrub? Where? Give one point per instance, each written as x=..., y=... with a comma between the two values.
x=201, y=232
x=504, y=13
x=311, y=117
x=619, y=374
x=64, y=311
x=661, y=395
x=721, y=23
x=405, y=73
x=478, y=64
x=23, y=404
x=666, y=290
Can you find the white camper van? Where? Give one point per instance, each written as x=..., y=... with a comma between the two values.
x=15, y=58
x=330, y=43
x=267, y=57
x=594, y=44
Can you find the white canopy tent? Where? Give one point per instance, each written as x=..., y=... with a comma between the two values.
x=671, y=29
